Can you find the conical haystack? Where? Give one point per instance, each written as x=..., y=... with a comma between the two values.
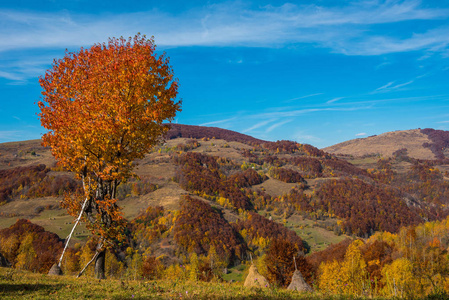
x=254, y=279
x=298, y=283
x=55, y=270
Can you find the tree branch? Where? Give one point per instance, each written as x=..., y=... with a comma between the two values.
x=99, y=246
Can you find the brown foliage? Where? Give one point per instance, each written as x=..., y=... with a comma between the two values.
x=34, y=182
x=333, y=252
x=45, y=245
x=366, y=208
x=200, y=227
x=280, y=264
x=377, y=255
x=202, y=174
x=286, y=175
x=440, y=139
x=151, y=268
x=12, y=179
x=199, y=132
x=311, y=167
x=257, y=226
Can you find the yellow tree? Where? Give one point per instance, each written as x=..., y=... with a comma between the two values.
x=398, y=277
x=104, y=107
x=330, y=279
x=354, y=269
x=346, y=277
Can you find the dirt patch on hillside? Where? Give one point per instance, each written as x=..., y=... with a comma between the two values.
x=275, y=187
x=29, y=207
x=26, y=153
x=167, y=196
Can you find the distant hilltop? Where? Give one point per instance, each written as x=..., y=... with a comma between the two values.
x=199, y=132
x=425, y=144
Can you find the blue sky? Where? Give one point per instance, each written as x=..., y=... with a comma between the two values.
x=316, y=72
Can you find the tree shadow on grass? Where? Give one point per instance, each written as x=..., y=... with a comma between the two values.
x=8, y=289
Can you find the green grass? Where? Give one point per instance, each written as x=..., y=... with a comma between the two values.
x=6, y=222
x=55, y=220
x=316, y=237
x=15, y=284
x=236, y=273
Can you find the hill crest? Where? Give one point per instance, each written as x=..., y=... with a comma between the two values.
x=417, y=142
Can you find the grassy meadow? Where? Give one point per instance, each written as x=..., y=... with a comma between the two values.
x=16, y=284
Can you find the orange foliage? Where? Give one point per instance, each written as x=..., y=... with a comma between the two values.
x=104, y=107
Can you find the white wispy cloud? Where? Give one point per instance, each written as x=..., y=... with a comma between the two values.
x=298, y=112
x=218, y=122
x=385, y=86
x=391, y=86
x=366, y=104
x=257, y=125
x=232, y=23
x=361, y=134
x=303, y=97
x=334, y=100
x=11, y=76
x=301, y=137
x=19, y=67
x=349, y=28
x=382, y=44
x=276, y=125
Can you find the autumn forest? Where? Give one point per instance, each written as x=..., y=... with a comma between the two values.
x=388, y=216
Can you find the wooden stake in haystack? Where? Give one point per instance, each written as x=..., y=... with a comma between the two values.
x=298, y=283
x=255, y=279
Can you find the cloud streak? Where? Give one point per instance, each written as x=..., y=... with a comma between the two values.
x=257, y=125
x=218, y=122
x=391, y=86
x=350, y=29
x=235, y=24
x=279, y=124
x=334, y=100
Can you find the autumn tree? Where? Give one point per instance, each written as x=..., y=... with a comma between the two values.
x=348, y=276
x=104, y=107
x=280, y=260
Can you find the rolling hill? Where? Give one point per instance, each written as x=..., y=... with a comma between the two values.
x=424, y=144
x=239, y=193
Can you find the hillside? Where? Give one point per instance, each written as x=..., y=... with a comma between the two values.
x=228, y=197
x=386, y=144
x=424, y=144
x=304, y=179
x=40, y=204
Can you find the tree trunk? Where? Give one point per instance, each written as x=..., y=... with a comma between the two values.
x=99, y=265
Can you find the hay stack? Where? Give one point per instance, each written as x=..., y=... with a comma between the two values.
x=254, y=279
x=4, y=262
x=55, y=270
x=298, y=283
